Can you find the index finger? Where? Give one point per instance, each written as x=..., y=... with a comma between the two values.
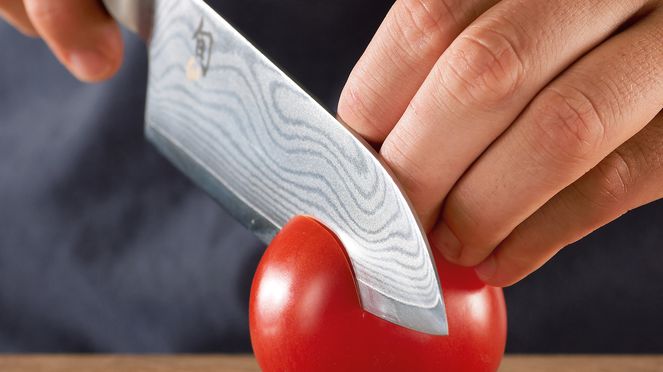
x=411, y=38
x=81, y=34
x=482, y=83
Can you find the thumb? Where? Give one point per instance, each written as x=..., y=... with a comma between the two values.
x=81, y=34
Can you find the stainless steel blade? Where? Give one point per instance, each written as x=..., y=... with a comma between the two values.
x=246, y=133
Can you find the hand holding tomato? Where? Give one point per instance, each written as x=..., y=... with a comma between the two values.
x=514, y=127
x=305, y=314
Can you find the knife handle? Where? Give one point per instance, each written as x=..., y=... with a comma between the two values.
x=136, y=15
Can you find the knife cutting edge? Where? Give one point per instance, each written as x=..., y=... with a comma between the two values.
x=261, y=146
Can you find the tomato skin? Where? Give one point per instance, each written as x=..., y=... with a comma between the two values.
x=305, y=314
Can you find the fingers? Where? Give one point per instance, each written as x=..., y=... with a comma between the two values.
x=411, y=38
x=628, y=178
x=595, y=106
x=481, y=84
x=81, y=34
x=13, y=12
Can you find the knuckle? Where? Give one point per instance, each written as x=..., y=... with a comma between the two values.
x=469, y=218
x=646, y=148
x=421, y=21
x=44, y=11
x=615, y=178
x=569, y=125
x=358, y=108
x=487, y=60
x=409, y=171
x=517, y=263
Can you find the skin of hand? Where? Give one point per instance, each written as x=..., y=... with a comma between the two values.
x=81, y=34
x=516, y=127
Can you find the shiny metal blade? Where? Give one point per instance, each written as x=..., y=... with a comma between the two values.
x=246, y=133
x=136, y=15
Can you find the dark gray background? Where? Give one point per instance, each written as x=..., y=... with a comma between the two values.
x=105, y=247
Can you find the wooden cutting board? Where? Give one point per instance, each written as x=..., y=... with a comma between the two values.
x=246, y=363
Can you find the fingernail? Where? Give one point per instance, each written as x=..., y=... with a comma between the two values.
x=447, y=242
x=486, y=269
x=89, y=64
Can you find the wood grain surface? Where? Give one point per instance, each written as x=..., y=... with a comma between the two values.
x=246, y=363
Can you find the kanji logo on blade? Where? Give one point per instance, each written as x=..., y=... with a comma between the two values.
x=198, y=64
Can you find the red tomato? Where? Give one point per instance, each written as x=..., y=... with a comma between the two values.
x=305, y=314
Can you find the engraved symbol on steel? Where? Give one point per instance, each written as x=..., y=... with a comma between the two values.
x=198, y=64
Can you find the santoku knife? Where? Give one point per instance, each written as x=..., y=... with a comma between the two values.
x=267, y=151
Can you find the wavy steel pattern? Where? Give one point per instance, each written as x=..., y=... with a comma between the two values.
x=248, y=128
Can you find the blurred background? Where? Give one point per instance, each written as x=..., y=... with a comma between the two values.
x=105, y=247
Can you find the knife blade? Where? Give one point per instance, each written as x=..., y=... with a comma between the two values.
x=267, y=151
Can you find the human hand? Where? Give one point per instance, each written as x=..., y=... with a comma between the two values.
x=81, y=34
x=515, y=127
